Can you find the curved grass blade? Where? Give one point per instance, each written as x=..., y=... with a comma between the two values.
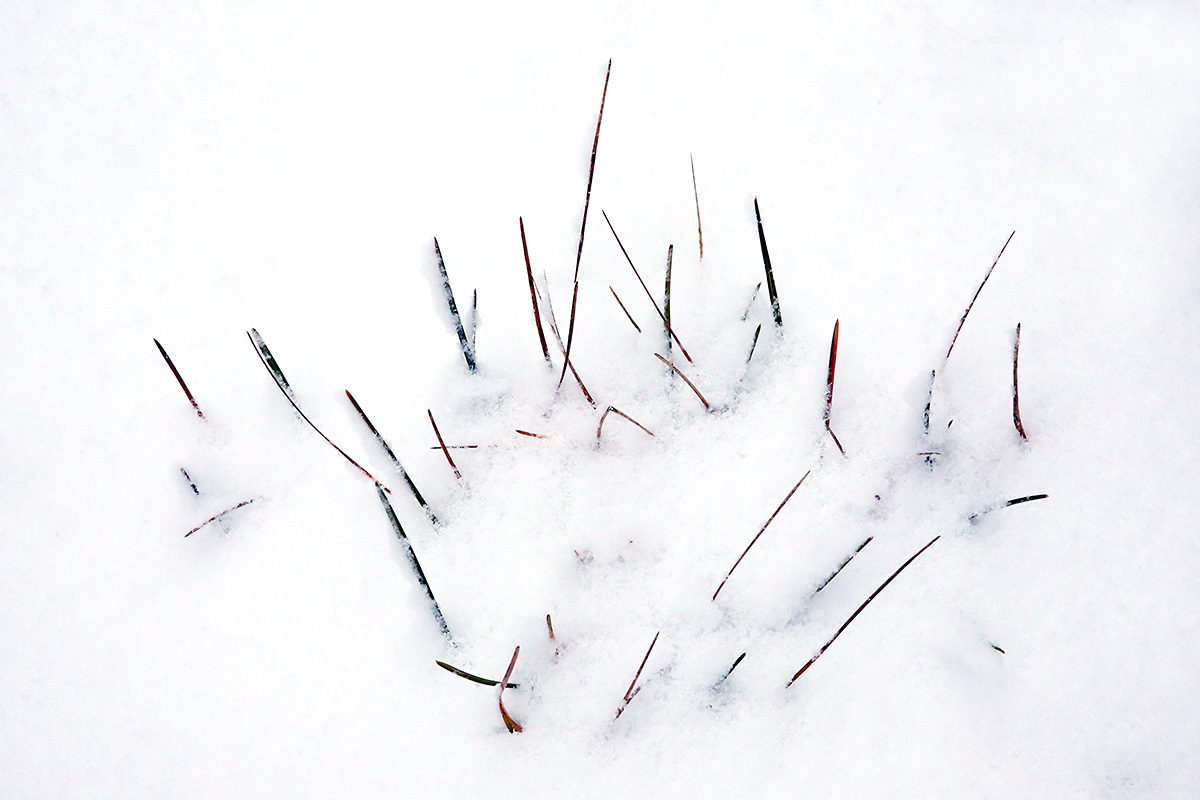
x=216, y=517
x=509, y=722
x=679, y=372
x=829, y=390
x=537, y=315
x=473, y=678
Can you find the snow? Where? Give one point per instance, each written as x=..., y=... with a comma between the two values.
x=187, y=172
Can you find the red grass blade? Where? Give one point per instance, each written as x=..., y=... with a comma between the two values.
x=760, y=533
x=509, y=722
x=829, y=391
x=619, y=412
x=216, y=517
x=637, y=327
x=537, y=316
x=179, y=378
x=630, y=693
x=866, y=602
x=445, y=450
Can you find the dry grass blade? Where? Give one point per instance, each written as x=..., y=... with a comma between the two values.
x=754, y=344
x=762, y=243
x=415, y=564
x=527, y=433
x=729, y=671
x=686, y=380
x=473, y=678
x=1016, y=398
x=191, y=482
x=631, y=692
x=468, y=350
x=633, y=322
x=216, y=517
x=445, y=450
x=550, y=627
x=509, y=722
x=272, y=366
x=537, y=315
x=412, y=487
x=842, y=565
x=618, y=412
x=562, y=348
x=1016, y=501
x=696, y=192
x=661, y=315
x=829, y=390
x=750, y=303
x=587, y=200
x=958, y=330
x=179, y=378
x=667, y=297
x=866, y=602
x=760, y=533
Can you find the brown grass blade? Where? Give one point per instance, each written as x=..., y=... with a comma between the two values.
x=445, y=450
x=637, y=327
x=562, y=348
x=760, y=533
x=686, y=380
x=537, y=315
x=619, y=412
x=216, y=517
x=829, y=390
x=661, y=315
x=509, y=722
x=1016, y=398
x=866, y=602
x=696, y=192
x=631, y=692
x=179, y=378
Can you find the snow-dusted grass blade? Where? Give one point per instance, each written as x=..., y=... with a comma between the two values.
x=468, y=350
x=445, y=450
x=729, y=671
x=970, y=305
x=661, y=315
x=754, y=343
x=179, y=378
x=929, y=398
x=750, y=302
x=620, y=413
x=561, y=346
x=632, y=321
x=762, y=243
x=1016, y=501
x=667, y=298
x=272, y=366
x=686, y=380
x=829, y=389
x=537, y=314
x=473, y=678
x=1016, y=398
x=866, y=602
x=412, y=487
x=416, y=565
x=632, y=692
x=842, y=565
x=509, y=722
x=760, y=533
x=587, y=200
x=696, y=193
x=191, y=482
x=216, y=517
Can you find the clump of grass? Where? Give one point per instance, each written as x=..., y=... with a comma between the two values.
x=179, y=378
x=631, y=692
x=276, y=373
x=866, y=602
x=468, y=350
x=416, y=565
x=760, y=533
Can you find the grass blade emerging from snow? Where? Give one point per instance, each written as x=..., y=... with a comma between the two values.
x=842, y=565
x=179, y=378
x=537, y=315
x=618, y=412
x=696, y=192
x=216, y=517
x=445, y=450
x=509, y=722
x=679, y=372
x=762, y=243
x=970, y=305
x=416, y=565
x=632, y=692
x=1016, y=397
x=829, y=389
x=760, y=533
x=473, y=678
x=667, y=297
x=637, y=327
x=467, y=350
x=412, y=487
x=866, y=602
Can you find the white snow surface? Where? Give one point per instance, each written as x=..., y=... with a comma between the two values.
x=188, y=171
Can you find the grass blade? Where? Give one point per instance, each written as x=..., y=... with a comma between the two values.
x=617, y=411
x=537, y=315
x=445, y=450
x=416, y=565
x=842, y=566
x=216, y=517
x=473, y=678
x=661, y=315
x=696, y=192
x=754, y=343
x=509, y=722
x=272, y=366
x=631, y=692
x=467, y=350
x=829, y=390
x=729, y=671
x=179, y=378
x=679, y=372
x=587, y=201
x=762, y=243
x=412, y=487
x=760, y=533
x=637, y=327
x=667, y=298
x=866, y=602
x=1016, y=398
x=1016, y=501
x=970, y=305
x=561, y=347
x=191, y=482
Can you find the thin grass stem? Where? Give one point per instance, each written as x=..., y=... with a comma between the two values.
x=829, y=389
x=760, y=533
x=686, y=380
x=416, y=565
x=216, y=517
x=412, y=487
x=473, y=678
x=509, y=722
x=631, y=692
x=537, y=315
x=762, y=243
x=445, y=450
x=637, y=327
x=468, y=350
x=1016, y=397
x=179, y=378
